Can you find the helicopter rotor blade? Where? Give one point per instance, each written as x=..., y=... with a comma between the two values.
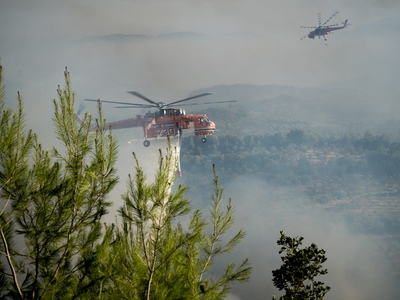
x=304, y=36
x=159, y=105
x=156, y=104
x=132, y=105
x=186, y=99
x=334, y=14
x=187, y=104
x=139, y=106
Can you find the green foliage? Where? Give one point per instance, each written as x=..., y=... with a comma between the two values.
x=147, y=247
x=15, y=146
x=52, y=243
x=161, y=258
x=52, y=203
x=299, y=269
x=222, y=221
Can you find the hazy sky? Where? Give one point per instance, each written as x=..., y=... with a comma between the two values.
x=253, y=41
x=246, y=42
x=256, y=42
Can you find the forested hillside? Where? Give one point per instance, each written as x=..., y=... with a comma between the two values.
x=343, y=161
x=327, y=168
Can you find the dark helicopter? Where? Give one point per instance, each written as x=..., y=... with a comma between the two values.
x=322, y=29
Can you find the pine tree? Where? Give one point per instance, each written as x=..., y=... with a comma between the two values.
x=213, y=246
x=52, y=203
x=159, y=258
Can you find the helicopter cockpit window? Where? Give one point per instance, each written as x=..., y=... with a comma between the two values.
x=207, y=121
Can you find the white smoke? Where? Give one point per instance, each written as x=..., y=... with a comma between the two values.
x=131, y=141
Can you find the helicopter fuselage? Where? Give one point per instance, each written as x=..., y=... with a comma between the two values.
x=324, y=30
x=172, y=125
x=167, y=122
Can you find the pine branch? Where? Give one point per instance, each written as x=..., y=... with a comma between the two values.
x=10, y=263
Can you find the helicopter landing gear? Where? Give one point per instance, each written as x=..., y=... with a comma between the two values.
x=146, y=143
x=204, y=140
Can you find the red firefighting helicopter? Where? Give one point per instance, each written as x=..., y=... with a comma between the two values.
x=168, y=121
x=322, y=29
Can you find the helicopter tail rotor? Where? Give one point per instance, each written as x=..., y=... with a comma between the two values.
x=81, y=107
x=77, y=115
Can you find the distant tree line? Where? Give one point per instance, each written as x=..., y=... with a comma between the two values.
x=299, y=157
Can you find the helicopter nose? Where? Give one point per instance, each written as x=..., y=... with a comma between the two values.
x=207, y=128
x=210, y=124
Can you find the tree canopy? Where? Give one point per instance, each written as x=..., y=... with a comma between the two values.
x=299, y=269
